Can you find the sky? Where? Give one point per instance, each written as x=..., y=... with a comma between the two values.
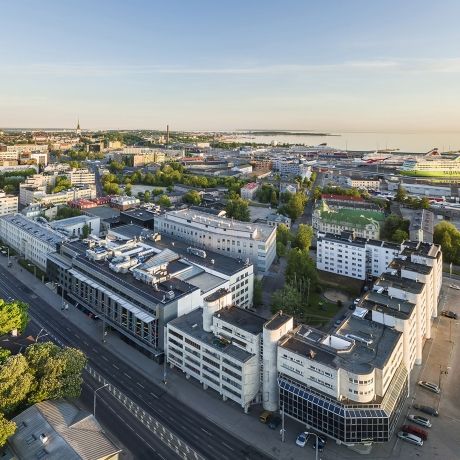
x=329, y=65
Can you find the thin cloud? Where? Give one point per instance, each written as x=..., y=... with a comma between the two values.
x=379, y=65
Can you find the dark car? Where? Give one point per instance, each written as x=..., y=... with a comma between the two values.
x=321, y=443
x=449, y=314
x=426, y=409
x=274, y=422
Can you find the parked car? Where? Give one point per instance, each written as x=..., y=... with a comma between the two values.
x=429, y=386
x=410, y=438
x=274, y=422
x=449, y=314
x=421, y=433
x=356, y=301
x=426, y=409
x=419, y=420
x=301, y=439
x=454, y=286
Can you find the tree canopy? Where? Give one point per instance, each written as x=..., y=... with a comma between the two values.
x=304, y=237
x=13, y=315
x=192, y=197
x=394, y=229
x=448, y=236
x=164, y=201
x=238, y=209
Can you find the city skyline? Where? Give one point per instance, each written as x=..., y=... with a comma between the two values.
x=329, y=67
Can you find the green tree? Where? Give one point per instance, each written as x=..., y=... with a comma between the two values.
x=57, y=371
x=391, y=224
x=301, y=271
x=401, y=194
x=192, y=197
x=111, y=188
x=238, y=209
x=304, y=237
x=13, y=315
x=147, y=196
x=295, y=206
x=283, y=234
x=164, y=201
x=64, y=212
x=7, y=429
x=4, y=354
x=399, y=236
x=448, y=236
x=85, y=231
x=16, y=381
x=288, y=299
x=128, y=190
x=257, y=293
x=280, y=249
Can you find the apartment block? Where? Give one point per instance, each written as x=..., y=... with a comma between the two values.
x=240, y=240
x=248, y=192
x=8, y=204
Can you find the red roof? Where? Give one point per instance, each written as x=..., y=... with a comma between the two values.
x=329, y=196
x=251, y=185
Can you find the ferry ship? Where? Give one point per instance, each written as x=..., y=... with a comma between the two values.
x=432, y=165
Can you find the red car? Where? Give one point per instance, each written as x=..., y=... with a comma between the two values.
x=415, y=430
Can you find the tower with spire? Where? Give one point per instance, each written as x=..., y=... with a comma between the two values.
x=78, y=130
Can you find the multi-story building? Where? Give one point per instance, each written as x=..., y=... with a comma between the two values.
x=81, y=176
x=30, y=239
x=363, y=183
x=8, y=204
x=220, y=346
x=273, y=220
x=136, y=285
x=240, y=240
x=140, y=156
x=365, y=223
x=27, y=148
x=350, y=384
x=124, y=202
x=352, y=256
x=249, y=191
x=292, y=167
x=75, y=226
x=421, y=226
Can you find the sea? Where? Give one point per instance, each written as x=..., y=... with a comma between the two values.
x=413, y=142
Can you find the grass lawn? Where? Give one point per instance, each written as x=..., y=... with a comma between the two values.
x=319, y=312
x=342, y=283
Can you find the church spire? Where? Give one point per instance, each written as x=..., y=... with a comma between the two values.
x=78, y=130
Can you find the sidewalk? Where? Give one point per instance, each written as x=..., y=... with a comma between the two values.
x=209, y=404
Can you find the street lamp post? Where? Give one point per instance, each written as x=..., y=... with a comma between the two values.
x=39, y=335
x=316, y=436
x=441, y=373
x=94, y=398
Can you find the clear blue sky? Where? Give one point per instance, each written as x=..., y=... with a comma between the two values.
x=231, y=64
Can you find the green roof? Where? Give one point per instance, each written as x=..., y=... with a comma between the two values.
x=355, y=217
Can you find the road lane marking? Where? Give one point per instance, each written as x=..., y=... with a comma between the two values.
x=127, y=375
x=104, y=358
x=142, y=386
x=154, y=395
x=206, y=431
x=227, y=446
x=115, y=366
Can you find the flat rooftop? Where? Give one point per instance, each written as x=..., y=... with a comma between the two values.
x=359, y=357
x=388, y=280
x=401, y=264
x=358, y=217
x=139, y=214
x=104, y=212
x=257, y=231
x=41, y=232
x=127, y=281
x=383, y=303
x=213, y=260
x=277, y=321
x=192, y=324
x=243, y=319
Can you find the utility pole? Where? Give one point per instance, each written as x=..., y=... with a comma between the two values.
x=165, y=369
x=62, y=297
x=94, y=398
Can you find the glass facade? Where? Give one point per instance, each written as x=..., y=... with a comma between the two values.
x=349, y=423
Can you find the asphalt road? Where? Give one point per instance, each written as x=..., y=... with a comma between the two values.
x=113, y=416
x=201, y=434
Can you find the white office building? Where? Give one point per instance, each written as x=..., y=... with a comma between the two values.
x=32, y=240
x=292, y=167
x=352, y=256
x=74, y=227
x=240, y=240
x=81, y=176
x=8, y=204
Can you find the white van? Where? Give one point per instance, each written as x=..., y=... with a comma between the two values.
x=410, y=438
